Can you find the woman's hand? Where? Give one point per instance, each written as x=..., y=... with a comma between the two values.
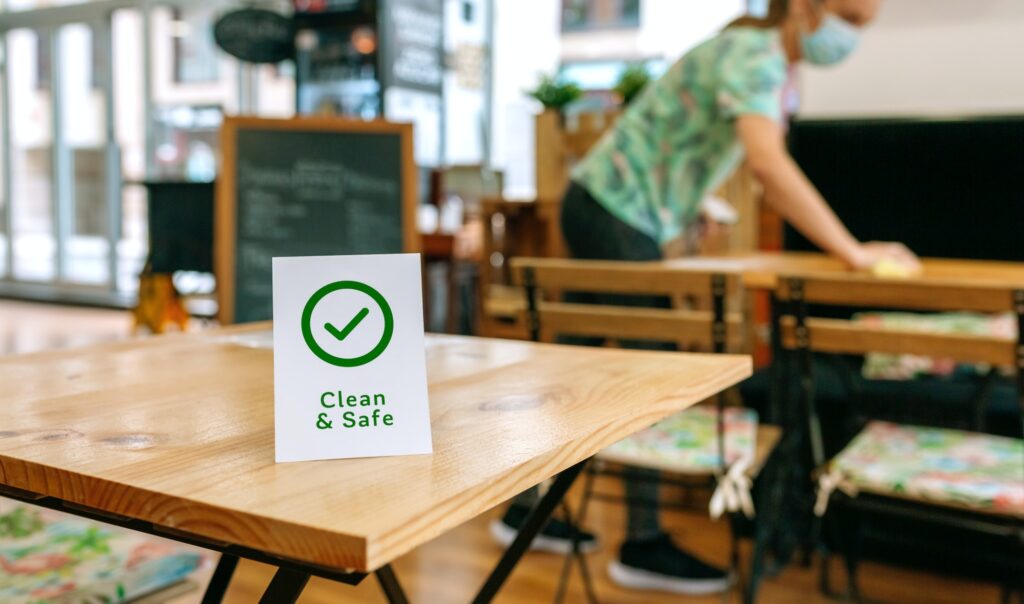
x=792, y=195
x=869, y=255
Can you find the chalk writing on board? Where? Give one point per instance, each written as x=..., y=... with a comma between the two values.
x=311, y=193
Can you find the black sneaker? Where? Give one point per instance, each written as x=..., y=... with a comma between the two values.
x=555, y=538
x=657, y=564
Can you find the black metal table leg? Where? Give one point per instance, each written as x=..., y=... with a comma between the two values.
x=285, y=587
x=538, y=517
x=390, y=586
x=221, y=578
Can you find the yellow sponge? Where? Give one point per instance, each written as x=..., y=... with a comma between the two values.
x=887, y=268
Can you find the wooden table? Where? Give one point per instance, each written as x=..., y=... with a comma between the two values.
x=761, y=270
x=174, y=435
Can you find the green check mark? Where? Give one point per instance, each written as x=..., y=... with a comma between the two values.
x=342, y=334
x=376, y=300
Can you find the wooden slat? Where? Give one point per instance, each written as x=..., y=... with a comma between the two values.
x=939, y=295
x=848, y=337
x=505, y=301
x=692, y=328
x=762, y=270
x=640, y=278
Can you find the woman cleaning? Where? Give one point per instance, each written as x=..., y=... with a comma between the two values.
x=640, y=189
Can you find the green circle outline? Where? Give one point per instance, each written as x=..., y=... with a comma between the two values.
x=307, y=316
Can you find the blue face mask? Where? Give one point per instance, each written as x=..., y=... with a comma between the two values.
x=830, y=43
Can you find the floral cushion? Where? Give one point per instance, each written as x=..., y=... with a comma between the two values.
x=50, y=557
x=688, y=442
x=882, y=366
x=952, y=467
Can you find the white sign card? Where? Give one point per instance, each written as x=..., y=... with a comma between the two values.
x=350, y=374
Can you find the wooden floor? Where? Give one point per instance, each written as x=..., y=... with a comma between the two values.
x=27, y=327
x=451, y=568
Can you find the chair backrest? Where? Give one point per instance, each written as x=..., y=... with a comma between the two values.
x=807, y=335
x=703, y=323
x=849, y=337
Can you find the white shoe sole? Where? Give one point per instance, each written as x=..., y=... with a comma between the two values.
x=504, y=534
x=635, y=578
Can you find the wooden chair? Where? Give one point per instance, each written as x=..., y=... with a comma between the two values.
x=514, y=228
x=958, y=478
x=695, y=318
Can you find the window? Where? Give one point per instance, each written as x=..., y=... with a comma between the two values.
x=44, y=61
x=196, y=56
x=600, y=14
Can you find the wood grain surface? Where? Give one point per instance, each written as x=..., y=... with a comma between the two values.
x=617, y=276
x=687, y=328
x=760, y=270
x=839, y=336
x=912, y=293
x=178, y=431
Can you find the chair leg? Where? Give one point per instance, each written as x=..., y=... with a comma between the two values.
x=588, y=581
x=756, y=562
x=563, y=579
x=766, y=524
x=574, y=554
x=831, y=526
x=825, y=572
x=734, y=559
x=851, y=554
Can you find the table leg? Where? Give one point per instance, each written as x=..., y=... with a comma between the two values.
x=538, y=517
x=390, y=586
x=221, y=578
x=285, y=587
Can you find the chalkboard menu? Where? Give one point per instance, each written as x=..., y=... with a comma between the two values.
x=307, y=187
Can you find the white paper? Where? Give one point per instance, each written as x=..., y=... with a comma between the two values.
x=389, y=414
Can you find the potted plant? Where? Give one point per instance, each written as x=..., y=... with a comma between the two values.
x=551, y=172
x=555, y=94
x=631, y=82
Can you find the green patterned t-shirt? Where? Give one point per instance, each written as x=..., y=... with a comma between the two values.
x=677, y=141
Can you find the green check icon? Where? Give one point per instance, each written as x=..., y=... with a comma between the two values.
x=372, y=300
x=343, y=333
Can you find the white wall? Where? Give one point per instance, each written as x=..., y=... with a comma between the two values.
x=526, y=45
x=465, y=82
x=668, y=28
x=926, y=58
x=671, y=27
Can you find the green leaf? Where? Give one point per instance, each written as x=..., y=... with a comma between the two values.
x=555, y=94
x=632, y=82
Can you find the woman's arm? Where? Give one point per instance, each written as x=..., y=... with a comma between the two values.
x=793, y=196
